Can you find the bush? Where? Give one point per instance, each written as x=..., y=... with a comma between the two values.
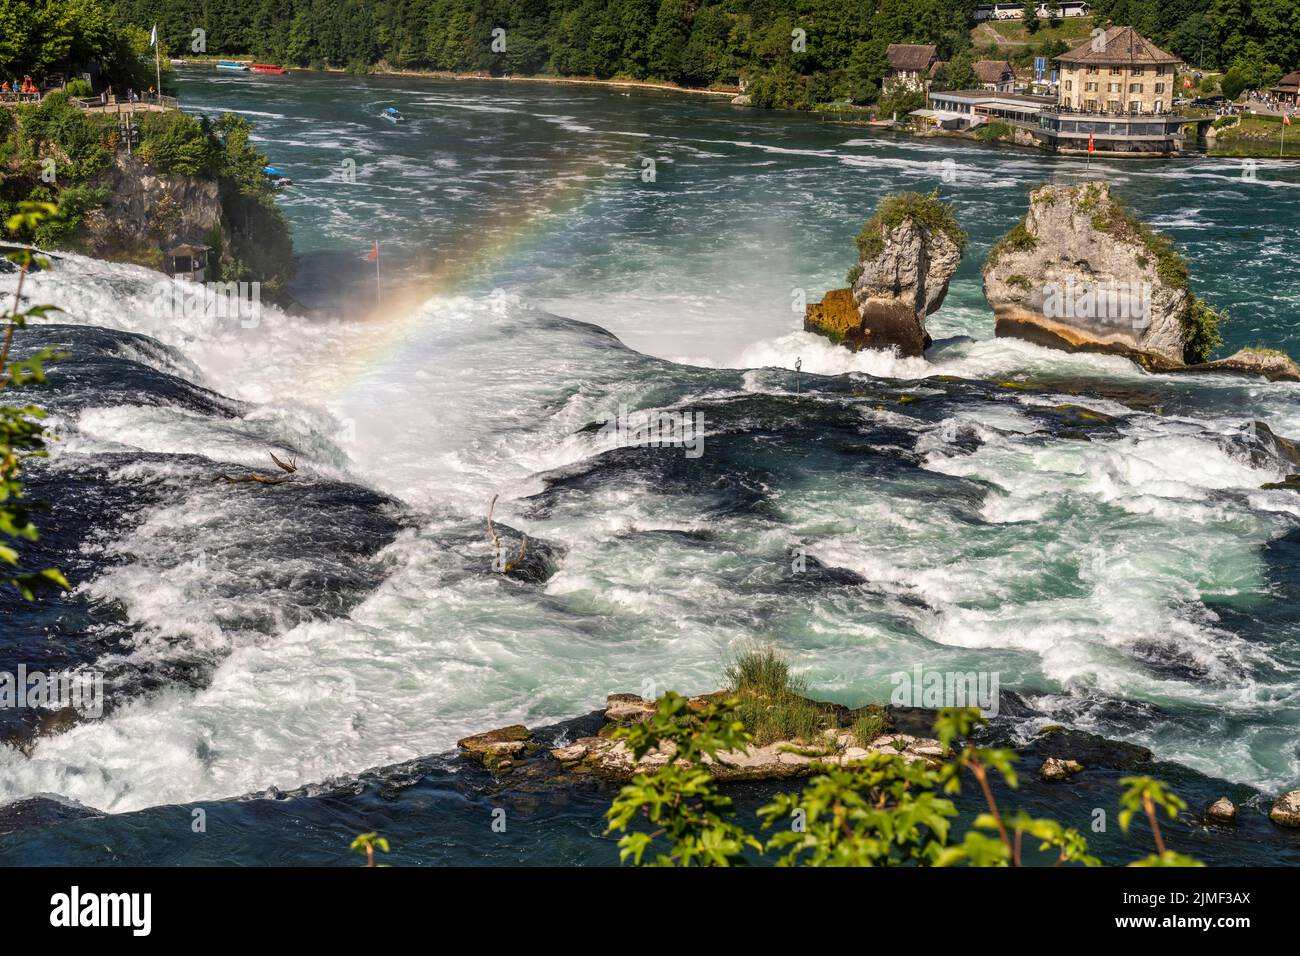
x=1201, y=330
x=925, y=208
x=175, y=143
x=993, y=132
x=79, y=87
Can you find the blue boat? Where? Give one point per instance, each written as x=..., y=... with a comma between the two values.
x=233, y=66
x=393, y=115
x=276, y=177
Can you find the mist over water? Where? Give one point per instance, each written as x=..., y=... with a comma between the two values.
x=1099, y=537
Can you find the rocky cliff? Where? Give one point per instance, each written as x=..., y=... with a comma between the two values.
x=908, y=252
x=1080, y=273
x=148, y=211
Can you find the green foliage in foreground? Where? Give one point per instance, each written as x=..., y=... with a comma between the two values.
x=881, y=811
x=367, y=843
x=22, y=434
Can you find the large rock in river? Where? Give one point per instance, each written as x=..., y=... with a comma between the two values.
x=908, y=252
x=1080, y=273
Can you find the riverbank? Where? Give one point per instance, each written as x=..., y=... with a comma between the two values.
x=594, y=81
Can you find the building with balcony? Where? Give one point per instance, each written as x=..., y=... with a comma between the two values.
x=1117, y=90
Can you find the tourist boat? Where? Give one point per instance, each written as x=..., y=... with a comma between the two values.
x=276, y=177
x=393, y=115
x=269, y=68
x=233, y=66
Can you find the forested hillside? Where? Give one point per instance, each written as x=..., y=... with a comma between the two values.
x=692, y=42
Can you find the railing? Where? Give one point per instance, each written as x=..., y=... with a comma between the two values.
x=102, y=103
x=1063, y=110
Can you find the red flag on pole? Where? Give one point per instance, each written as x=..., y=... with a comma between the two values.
x=1091, y=147
x=1286, y=118
x=374, y=253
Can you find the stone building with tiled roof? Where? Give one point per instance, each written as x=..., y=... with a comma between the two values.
x=1116, y=93
x=996, y=75
x=909, y=64
x=1117, y=71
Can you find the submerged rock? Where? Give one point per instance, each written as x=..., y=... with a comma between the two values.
x=908, y=252
x=1221, y=811
x=1286, y=811
x=1055, y=769
x=1080, y=273
x=1274, y=365
x=497, y=749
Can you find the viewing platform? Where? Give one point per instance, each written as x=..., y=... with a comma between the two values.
x=103, y=103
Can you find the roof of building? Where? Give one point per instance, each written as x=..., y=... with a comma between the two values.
x=911, y=56
x=985, y=96
x=1289, y=82
x=992, y=71
x=186, y=250
x=1118, y=45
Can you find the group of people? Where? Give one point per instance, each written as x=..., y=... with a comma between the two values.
x=13, y=90
x=1270, y=102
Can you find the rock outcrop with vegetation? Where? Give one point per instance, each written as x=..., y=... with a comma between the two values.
x=908, y=252
x=189, y=181
x=1080, y=273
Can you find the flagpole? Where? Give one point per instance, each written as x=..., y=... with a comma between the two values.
x=157, y=63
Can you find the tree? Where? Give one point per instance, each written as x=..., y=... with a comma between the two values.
x=1029, y=13
x=22, y=432
x=958, y=74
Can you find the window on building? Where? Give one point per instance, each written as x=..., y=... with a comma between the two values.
x=1137, y=71
x=1092, y=71
x=1135, y=106
x=1114, y=105
x=1117, y=71
x=1135, y=87
x=1092, y=105
x=1069, y=85
x=1091, y=88
x=1160, y=87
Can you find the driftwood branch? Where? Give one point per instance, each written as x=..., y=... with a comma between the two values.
x=290, y=466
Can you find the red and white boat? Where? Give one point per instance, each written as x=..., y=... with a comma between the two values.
x=268, y=68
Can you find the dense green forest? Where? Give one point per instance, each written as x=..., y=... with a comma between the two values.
x=691, y=42
x=792, y=52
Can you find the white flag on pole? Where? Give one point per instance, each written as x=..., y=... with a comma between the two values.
x=153, y=37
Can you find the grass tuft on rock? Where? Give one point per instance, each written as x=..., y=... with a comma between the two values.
x=924, y=208
x=773, y=703
x=869, y=725
x=1017, y=239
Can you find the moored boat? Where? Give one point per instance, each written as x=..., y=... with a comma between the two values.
x=276, y=177
x=233, y=66
x=269, y=68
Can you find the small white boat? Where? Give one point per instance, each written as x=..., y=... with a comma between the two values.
x=232, y=66
x=393, y=115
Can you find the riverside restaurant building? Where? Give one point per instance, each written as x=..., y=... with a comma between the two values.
x=1116, y=90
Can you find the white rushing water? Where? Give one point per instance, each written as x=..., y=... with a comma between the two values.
x=1086, y=573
